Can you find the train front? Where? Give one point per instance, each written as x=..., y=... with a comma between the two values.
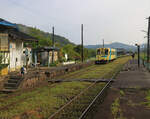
x=101, y=55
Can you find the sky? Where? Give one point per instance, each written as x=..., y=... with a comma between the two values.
x=111, y=20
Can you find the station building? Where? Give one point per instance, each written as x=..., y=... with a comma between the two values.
x=12, y=50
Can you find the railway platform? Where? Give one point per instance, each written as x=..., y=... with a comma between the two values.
x=132, y=76
x=128, y=95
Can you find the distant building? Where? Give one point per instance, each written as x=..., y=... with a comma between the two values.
x=12, y=50
x=121, y=51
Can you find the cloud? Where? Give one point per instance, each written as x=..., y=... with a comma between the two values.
x=113, y=20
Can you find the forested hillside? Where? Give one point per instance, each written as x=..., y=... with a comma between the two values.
x=43, y=36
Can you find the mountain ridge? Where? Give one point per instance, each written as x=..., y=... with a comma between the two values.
x=113, y=45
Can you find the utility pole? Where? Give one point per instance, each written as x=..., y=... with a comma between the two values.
x=82, y=52
x=138, y=55
x=148, y=35
x=53, y=43
x=103, y=43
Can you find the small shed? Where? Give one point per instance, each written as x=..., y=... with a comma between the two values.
x=45, y=55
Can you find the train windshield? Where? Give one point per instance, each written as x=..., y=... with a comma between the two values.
x=102, y=52
x=98, y=52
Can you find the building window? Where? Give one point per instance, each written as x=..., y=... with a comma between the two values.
x=3, y=42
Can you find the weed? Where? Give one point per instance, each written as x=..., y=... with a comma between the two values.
x=116, y=110
x=147, y=102
x=122, y=93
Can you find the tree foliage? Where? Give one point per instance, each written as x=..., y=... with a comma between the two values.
x=66, y=47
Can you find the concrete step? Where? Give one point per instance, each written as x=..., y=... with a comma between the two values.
x=15, y=77
x=13, y=81
x=10, y=88
x=10, y=85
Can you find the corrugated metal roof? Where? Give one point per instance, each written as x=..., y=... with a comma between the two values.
x=6, y=23
x=46, y=48
x=12, y=30
x=21, y=35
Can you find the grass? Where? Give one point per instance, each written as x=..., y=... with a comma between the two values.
x=122, y=93
x=147, y=102
x=143, y=56
x=97, y=71
x=48, y=100
x=116, y=109
x=42, y=102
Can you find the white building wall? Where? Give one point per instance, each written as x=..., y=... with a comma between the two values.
x=16, y=55
x=29, y=56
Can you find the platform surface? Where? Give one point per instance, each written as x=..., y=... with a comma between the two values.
x=132, y=77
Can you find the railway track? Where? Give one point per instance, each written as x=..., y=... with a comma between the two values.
x=97, y=98
x=87, y=110
x=82, y=113
x=80, y=103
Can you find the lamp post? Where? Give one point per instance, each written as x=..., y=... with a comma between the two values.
x=138, y=46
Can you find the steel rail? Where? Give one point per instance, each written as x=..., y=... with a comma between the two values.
x=100, y=93
x=53, y=115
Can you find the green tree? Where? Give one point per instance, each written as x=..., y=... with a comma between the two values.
x=78, y=49
x=91, y=53
x=72, y=54
x=45, y=42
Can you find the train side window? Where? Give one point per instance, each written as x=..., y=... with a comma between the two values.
x=106, y=52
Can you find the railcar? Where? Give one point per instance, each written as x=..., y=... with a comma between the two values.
x=104, y=55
